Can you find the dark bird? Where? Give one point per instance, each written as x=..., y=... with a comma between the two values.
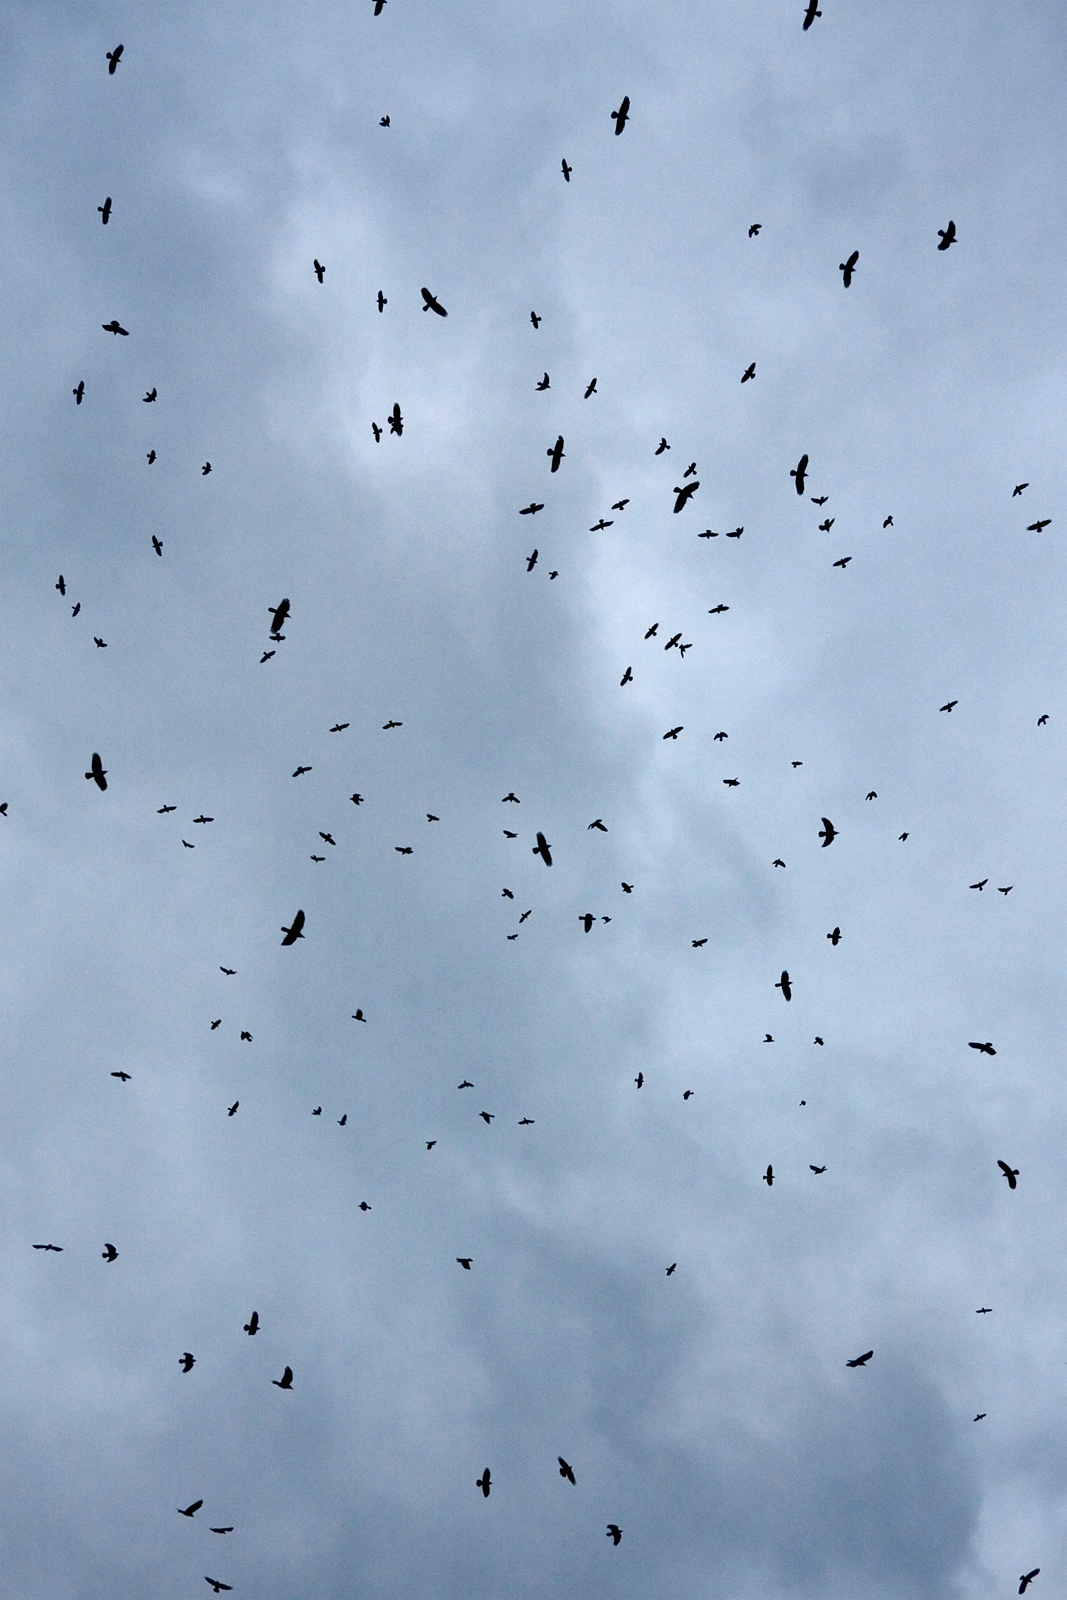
x=483, y=1483
x=507, y=894
x=622, y=115
x=357, y=1015
x=531, y=561
x=3, y=809
x=190, y=1511
x=835, y=937
x=285, y=1381
x=58, y=1248
x=391, y=724
x=566, y=171
x=614, y=1532
x=1019, y=487
x=556, y=453
x=252, y=1325
x=888, y=523
x=672, y=733
x=673, y=1264
x=62, y=584
x=378, y=6
x=1011, y=1173
x=231, y=972
x=598, y=527
x=732, y=783
x=279, y=615
x=860, y=1361
x=1027, y=1578
x=735, y=533
x=299, y=773
x=843, y=562
x=799, y=472
x=404, y=849
x=232, y=1110
x=565, y=1470
x=543, y=385
x=109, y=1253
x=620, y=505
x=487, y=1116
x=79, y=392
x=983, y=1311
x=949, y=705
x=431, y=303
x=1039, y=527
x=543, y=849
x=246, y=1036
x=535, y=319
x=356, y=799
x=157, y=546
x=979, y=885
x=815, y=1169
x=685, y=495
x=125, y=1076
x=778, y=862
x=663, y=445
x=768, y=1038
x=768, y=1177
x=187, y=1362
x=320, y=270
x=590, y=388
x=828, y=833
x=824, y=527
x=114, y=326
x=295, y=932
x=627, y=677
x=986, y=1048
x=749, y=373
x=1007, y=889
x=640, y=1080
x=848, y=267
x=688, y=1094
x=980, y=1416
x=509, y=835
x=466, y=1084
x=363, y=1206
x=98, y=772
x=216, y=1024
x=395, y=420
x=627, y=888
x=151, y=457
x=598, y=825
x=525, y=1122
x=430, y=1144
x=784, y=984
x=719, y=737
x=377, y=432
x=105, y=211
x=817, y=1039
x=810, y=14
x=903, y=836
x=588, y=919
x=187, y=845
x=1040, y=721
x=202, y=818
x=383, y=122
x=150, y=397
x=215, y=1582
x=754, y=229
x=796, y=764
x=222, y=1530
x=101, y=644
x=114, y=57
x=873, y=795
x=947, y=236
x=465, y=1262
x=532, y=509
x=651, y=634
x=382, y=301
x=697, y=943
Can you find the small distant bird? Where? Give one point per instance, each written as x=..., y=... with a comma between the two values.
x=327, y=838
x=357, y=1015
x=151, y=457
x=187, y=845
x=187, y=1361
x=778, y=862
x=62, y=584
x=543, y=385
x=873, y=795
x=232, y=1110
x=320, y=270
x=860, y=1361
x=114, y=57
x=768, y=1038
x=285, y=1381
x=684, y=495
x=114, y=326
x=377, y=432
x=317, y=1111
x=216, y=1024
x=566, y=171
x=395, y=420
x=231, y=972
x=1027, y=1578
x=687, y=1094
x=429, y=818
x=640, y=1080
x=246, y=1036
x=543, y=849
x=835, y=937
x=535, y=319
x=1040, y=721
x=620, y=505
x=719, y=737
x=105, y=211
x=947, y=236
x=363, y=1206
x=1038, y=527
x=980, y=885
x=339, y=727
x=1007, y=889
x=79, y=392
x=205, y=469
x=391, y=724
x=507, y=894
x=109, y=1253
x=466, y=1084
x=824, y=527
x=222, y=1530
x=815, y=1169
x=980, y=1416
x=465, y=1262
x=190, y=1511
x=509, y=835
x=827, y=833
x=590, y=388
x=986, y=1049
x=565, y=1470
x=58, y=1248
x=735, y=533
x=532, y=509
x=383, y=122
x=202, y=818
x=651, y=634
x=1019, y=487
x=556, y=453
x=768, y=1177
x=157, y=546
x=796, y=764
x=888, y=523
x=531, y=561
x=810, y=14
x=785, y=986
x=431, y=303
x=598, y=527
x=150, y=397
x=848, y=267
x=252, y=1325
x=754, y=229
x=356, y=799
x=430, y=1144
x=843, y=562
x=799, y=472
x=627, y=677
x=697, y=943
x=125, y=1076
x=587, y=918
x=1011, y=1173
x=749, y=373
x=672, y=733
x=817, y=1039
x=622, y=115
x=902, y=837
x=614, y=1532
x=627, y=888
x=216, y=1583
x=598, y=825
x=487, y=1116
x=983, y=1311
x=100, y=644
x=732, y=783
x=299, y=773
x=525, y=1122
x=292, y=934
x=483, y=1483
x=97, y=772
x=382, y=301
x=663, y=445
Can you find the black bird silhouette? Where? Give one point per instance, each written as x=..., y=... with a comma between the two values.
x=620, y=505
x=532, y=509
x=187, y=1362
x=1011, y=1173
x=320, y=270
x=125, y=1076
x=109, y=1253
x=232, y=1110
x=685, y=495
x=799, y=472
x=205, y=469
x=100, y=644
x=651, y=634
x=187, y=845
x=279, y=615
x=627, y=677
x=105, y=211
x=1019, y=487
x=810, y=14
x=736, y=534
x=531, y=560
x=327, y=838
x=114, y=326
x=566, y=171
x=697, y=943
x=391, y=724
x=356, y=799
x=429, y=1145
x=190, y=1511
x=299, y=773
x=672, y=733
x=295, y=932
x=1039, y=527
x=543, y=849
x=828, y=833
x=565, y=1470
x=663, y=445
x=599, y=526
x=848, y=267
x=202, y=818
x=627, y=888
x=949, y=705
x=1006, y=890
x=980, y=885
x=979, y=1417
x=947, y=236
x=395, y=420
x=749, y=372
x=778, y=862
x=588, y=919
x=888, y=523
x=690, y=471
x=784, y=984
x=252, y=1325
x=640, y=1080
x=98, y=772
x=246, y=1035
x=843, y=562
x=465, y=1262
x=431, y=303
x=986, y=1049
x=150, y=397
x=216, y=1024
x=815, y=1169
x=466, y=1084
x=1027, y=1578
x=614, y=1532
x=58, y=1248
x=377, y=432
x=285, y=1381
x=556, y=453
x=983, y=1311
x=754, y=229
x=860, y=1361
x=79, y=395
x=62, y=584
x=873, y=795
x=719, y=737
x=164, y=809
x=483, y=1483
x=487, y=1116
x=383, y=122
x=598, y=825
x=151, y=457
x=216, y=1584
x=222, y=1530
x=404, y=849
x=543, y=385
x=835, y=937
x=824, y=527
x=590, y=388
x=525, y=1122
x=114, y=57
x=622, y=116
x=732, y=783
x=535, y=319
x=382, y=301
x=768, y=1176
x=157, y=546
x=357, y=1015
x=231, y=972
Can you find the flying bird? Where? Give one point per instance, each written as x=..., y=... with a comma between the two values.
x=320, y=270
x=125, y=1076
x=566, y=171
x=627, y=888
x=525, y=1122
x=483, y=1483
x=391, y=724
x=778, y=862
x=232, y=1110
x=1027, y=1578
x=150, y=397
x=828, y=833
x=114, y=326
x=487, y=1116
x=98, y=772
x=815, y=1169
x=736, y=533
x=628, y=677
x=663, y=445
x=216, y=1024
x=810, y=14
x=205, y=469
x=187, y=1361
x=157, y=546
x=888, y=523
x=590, y=388
x=431, y=303
x=785, y=986
x=979, y=1417
x=535, y=319
x=983, y=1311
x=109, y=1253
x=247, y=1036
x=685, y=495
x=202, y=818
x=556, y=453
x=466, y=1084
x=1007, y=889
x=843, y=562
x=620, y=505
x=873, y=795
x=598, y=825
x=986, y=1049
x=299, y=773
x=848, y=267
x=285, y=1381
x=222, y=1530
x=151, y=457
x=378, y=5
x=531, y=560
x=357, y=1015
x=798, y=473
x=383, y=122
x=588, y=919
x=114, y=57
x=382, y=301
x=404, y=849
x=749, y=373
x=79, y=396
x=465, y=1262
x=947, y=236
x=395, y=420
x=62, y=584
x=754, y=229
x=217, y=1585
x=231, y=972
x=824, y=527
x=640, y=1080
x=949, y=705
x=614, y=1532
x=1019, y=487
x=598, y=527
x=543, y=849
x=622, y=115
x=429, y=1145
x=768, y=1176
x=697, y=943
x=105, y=211
x=719, y=737
x=860, y=1361
x=651, y=634
x=1040, y=721
x=980, y=885
x=190, y=1511
x=295, y=932
x=356, y=799
x=252, y=1325
x=835, y=937
x=1039, y=527
x=672, y=733
x=565, y=1470
x=100, y=644
x=543, y=385
x=58, y=1248
x=1011, y=1173
x=377, y=432
x=279, y=615
x=532, y=509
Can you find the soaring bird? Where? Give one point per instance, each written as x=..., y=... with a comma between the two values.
x=543, y=385
x=754, y=229
x=295, y=932
x=98, y=772
x=205, y=469
x=620, y=505
x=356, y=799
x=531, y=560
x=1019, y=487
x=848, y=267
x=888, y=523
x=1039, y=527
x=109, y=1253
x=798, y=473
x=113, y=58
x=768, y=1177
x=252, y=1325
x=383, y=122
x=217, y=1584
x=391, y=724
x=285, y=1381
x=377, y=432
x=382, y=301
x=640, y=1080
x=566, y=171
x=232, y=1110
x=824, y=527
x=828, y=833
x=628, y=677
x=150, y=397
x=279, y=615
x=860, y=1361
x=590, y=388
x=588, y=919
x=698, y=943
x=319, y=269
x=487, y=1116
x=785, y=986
x=187, y=1361
x=810, y=14
x=872, y=795
x=190, y=1511
x=125, y=1076
x=58, y=1248
x=983, y=1311
x=231, y=972
x=598, y=527
x=565, y=1470
x=105, y=211
x=151, y=457
x=835, y=937
x=947, y=236
x=815, y=1169
x=672, y=733
x=732, y=783
x=404, y=849
x=483, y=1483
x=532, y=509
x=299, y=773
x=535, y=319
x=100, y=644
x=598, y=825
x=79, y=396
x=1027, y=1578
x=685, y=495
x=556, y=453
x=157, y=546
x=979, y=885
x=543, y=849
x=949, y=705
x=663, y=445
x=222, y=1530
x=749, y=373
x=357, y=1015
x=431, y=303
x=614, y=1532
x=622, y=115
x=1011, y=1173
x=844, y=561
x=115, y=326
x=202, y=818
x=62, y=584
x=395, y=420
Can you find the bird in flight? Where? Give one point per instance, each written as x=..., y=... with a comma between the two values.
x=979, y=885
x=295, y=932
x=105, y=211
x=663, y=445
x=278, y=616
x=391, y=724
x=58, y=1248
x=382, y=301
x=873, y=795
x=79, y=396
x=768, y=1176
x=1007, y=890
x=535, y=319
x=62, y=584
x=150, y=397
x=815, y=1169
x=320, y=270
x=824, y=527
x=395, y=420
x=252, y=1325
x=590, y=388
x=532, y=509
x=1027, y=1578
x=672, y=733
x=566, y=171
x=1040, y=721
x=627, y=888
x=465, y=1261
x=525, y=1122
x=860, y=1361
x=835, y=937
x=749, y=373
x=543, y=849
x=543, y=385
x=888, y=523
x=556, y=453
x=732, y=783
x=487, y=1116
x=404, y=849
x=1039, y=527
x=531, y=560
x=339, y=727
x=986, y=1049
x=157, y=546
x=299, y=773
x=466, y=1084
x=357, y=1015
x=719, y=737
x=202, y=818
x=231, y=972
x=216, y=1583
x=628, y=677
x=798, y=473
x=651, y=634
x=190, y=1511
x=125, y=1076
x=383, y=122
x=828, y=833
x=614, y=1532
x=810, y=14
x=785, y=986
x=622, y=115
x=377, y=432
x=1011, y=1173
x=151, y=457
x=754, y=229
x=109, y=1253
x=483, y=1483
x=216, y=1024
x=778, y=862
x=222, y=1530
x=285, y=1381
x=431, y=303
x=356, y=799
x=843, y=562
x=848, y=267
x=378, y=5
x=232, y=1110
x=620, y=505
x=205, y=469
x=983, y=1311
x=565, y=1470
x=947, y=236
x=599, y=526
x=187, y=1361
x=114, y=57
x=698, y=943
x=640, y=1080
x=100, y=644
x=98, y=772
x=949, y=705
x=979, y=1417
x=598, y=825
x=1019, y=487
x=115, y=326
x=588, y=919
x=685, y=495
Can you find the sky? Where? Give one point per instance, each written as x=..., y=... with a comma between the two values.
x=707, y=1411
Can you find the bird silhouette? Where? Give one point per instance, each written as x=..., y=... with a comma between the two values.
x=465, y=1262
x=431, y=303
x=663, y=445
x=768, y=1176
x=986, y=1049
x=98, y=772
x=815, y=1169
x=556, y=453
x=620, y=505
x=828, y=833
x=784, y=984
x=279, y=615
x=872, y=795
x=732, y=783
x=835, y=937
x=58, y=1248
x=565, y=1470
x=391, y=724
x=531, y=561
x=979, y=1417
x=598, y=825
x=151, y=457
x=698, y=943
x=622, y=116
x=114, y=57
x=1039, y=527
x=109, y=1253
x=190, y=1511
x=1040, y=721
x=429, y=1145
x=525, y=1122
x=983, y=1311
x=1019, y=487
x=614, y=1532
x=980, y=885
x=754, y=229
x=61, y=584
x=299, y=773
x=543, y=849
x=848, y=267
x=232, y=1111
x=252, y=1325
x=293, y=933
x=466, y=1084
x=231, y=972
x=377, y=432
x=860, y=1361
x=535, y=319
x=79, y=396
x=187, y=1361
x=672, y=733
x=150, y=397
x=948, y=706
x=115, y=326
x=626, y=678
x=888, y=523
x=543, y=385
x=685, y=495
x=125, y=1076
x=105, y=211
x=1026, y=1579
x=824, y=527
x=216, y=1024
x=356, y=799
x=799, y=473
x=947, y=236
x=483, y=1483
x=1007, y=889
x=99, y=643
x=640, y=1080
x=810, y=14
x=1011, y=1173
x=157, y=546
x=395, y=420
x=487, y=1116
x=404, y=849
x=843, y=562
x=749, y=373
x=598, y=527
x=319, y=269
x=217, y=1584
x=285, y=1381
x=383, y=122
x=222, y=1530
x=532, y=509
x=205, y=469
x=590, y=389
x=566, y=171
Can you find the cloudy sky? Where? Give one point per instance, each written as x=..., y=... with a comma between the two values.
x=710, y=1412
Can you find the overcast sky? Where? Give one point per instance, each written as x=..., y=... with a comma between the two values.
x=708, y=1412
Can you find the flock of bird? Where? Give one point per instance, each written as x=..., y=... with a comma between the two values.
x=281, y=616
